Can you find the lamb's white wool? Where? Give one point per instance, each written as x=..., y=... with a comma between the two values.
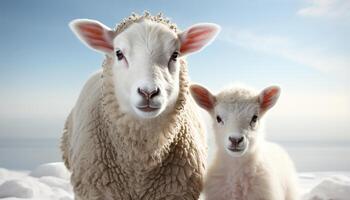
x=246, y=166
x=134, y=133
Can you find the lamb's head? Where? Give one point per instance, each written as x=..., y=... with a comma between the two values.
x=146, y=60
x=237, y=114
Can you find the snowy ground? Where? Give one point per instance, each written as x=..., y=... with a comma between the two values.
x=51, y=182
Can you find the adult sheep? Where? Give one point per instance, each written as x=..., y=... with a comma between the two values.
x=133, y=133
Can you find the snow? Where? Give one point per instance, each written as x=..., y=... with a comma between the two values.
x=326, y=186
x=51, y=169
x=17, y=188
x=47, y=181
x=51, y=181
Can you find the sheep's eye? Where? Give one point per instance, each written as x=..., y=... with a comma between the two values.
x=119, y=54
x=174, y=56
x=253, y=120
x=218, y=119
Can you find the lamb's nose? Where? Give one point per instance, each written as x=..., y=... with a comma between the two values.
x=148, y=94
x=236, y=141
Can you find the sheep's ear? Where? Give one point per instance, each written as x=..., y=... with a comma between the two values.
x=203, y=97
x=196, y=37
x=94, y=34
x=268, y=98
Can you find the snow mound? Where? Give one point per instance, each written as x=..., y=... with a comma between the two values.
x=54, y=182
x=334, y=187
x=51, y=169
x=51, y=182
x=47, y=182
x=6, y=174
x=16, y=188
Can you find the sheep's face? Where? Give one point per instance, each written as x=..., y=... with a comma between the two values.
x=146, y=61
x=236, y=116
x=147, y=76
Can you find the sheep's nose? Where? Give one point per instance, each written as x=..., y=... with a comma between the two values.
x=148, y=94
x=236, y=141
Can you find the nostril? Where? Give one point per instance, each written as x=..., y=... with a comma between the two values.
x=155, y=92
x=240, y=140
x=139, y=91
x=142, y=92
x=232, y=139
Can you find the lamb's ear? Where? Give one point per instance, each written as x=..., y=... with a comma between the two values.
x=203, y=97
x=94, y=34
x=196, y=37
x=268, y=98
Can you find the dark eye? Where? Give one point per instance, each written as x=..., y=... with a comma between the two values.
x=253, y=120
x=119, y=54
x=174, y=56
x=218, y=119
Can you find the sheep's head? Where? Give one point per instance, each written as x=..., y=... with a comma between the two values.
x=236, y=114
x=146, y=59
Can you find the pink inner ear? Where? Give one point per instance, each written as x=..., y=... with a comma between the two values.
x=95, y=36
x=196, y=38
x=203, y=97
x=268, y=97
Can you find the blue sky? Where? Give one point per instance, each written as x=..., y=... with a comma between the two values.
x=301, y=45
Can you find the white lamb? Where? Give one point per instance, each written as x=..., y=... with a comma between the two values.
x=246, y=166
x=134, y=133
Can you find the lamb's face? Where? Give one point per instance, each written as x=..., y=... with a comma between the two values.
x=236, y=114
x=146, y=61
x=236, y=123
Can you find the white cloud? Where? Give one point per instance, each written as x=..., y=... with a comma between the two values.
x=288, y=49
x=326, y=8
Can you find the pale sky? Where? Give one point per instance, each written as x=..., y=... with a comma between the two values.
x=301, y=45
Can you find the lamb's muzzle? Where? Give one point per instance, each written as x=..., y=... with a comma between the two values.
x=237, y=144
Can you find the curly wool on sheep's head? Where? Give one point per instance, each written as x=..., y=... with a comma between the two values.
x=135, y=18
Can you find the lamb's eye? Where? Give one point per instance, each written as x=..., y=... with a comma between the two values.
x=119, y=54
x=253, y=120
x=218, y=119
x=174, y=56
